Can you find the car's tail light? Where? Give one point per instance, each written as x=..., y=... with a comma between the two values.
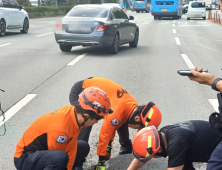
x=145, y=4
x=58, y=25
x=101, y=27
x=134, y=4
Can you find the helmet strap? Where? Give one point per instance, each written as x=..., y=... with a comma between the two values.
x=85, y=119
x=163, y=153
x=132, y=119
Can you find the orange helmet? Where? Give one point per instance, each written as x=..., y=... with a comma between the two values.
x=146, y=143
x=95, y=99
x=151, y=115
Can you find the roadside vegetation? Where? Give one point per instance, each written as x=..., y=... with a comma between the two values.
x=50, y=8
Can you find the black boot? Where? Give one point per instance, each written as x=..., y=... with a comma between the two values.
x=126, y=148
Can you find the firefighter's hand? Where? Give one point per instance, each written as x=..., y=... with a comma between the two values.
x=108, y=152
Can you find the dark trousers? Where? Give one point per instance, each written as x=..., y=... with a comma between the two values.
x=51, y=159
x=122, y=131
x=215, y=162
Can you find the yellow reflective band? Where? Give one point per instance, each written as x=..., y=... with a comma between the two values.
x=149, y=116
x=149, y=145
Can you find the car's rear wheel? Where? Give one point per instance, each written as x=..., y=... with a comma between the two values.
x=155, y=17
x=65, y=48
x=188, y=18
x=115, y=46
x=204, y=18
x=136, y=39
x=25, y=26
x=137, y=11
x=2, y=28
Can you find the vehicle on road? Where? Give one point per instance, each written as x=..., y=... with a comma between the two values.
x=34, y=2
x=141, y=5
x=185, y=9
x=208, y=7
x=196, y=9
x=96, y=25
x=12, y=17
x=166, y=8
x=42, y=2
x=130, y=3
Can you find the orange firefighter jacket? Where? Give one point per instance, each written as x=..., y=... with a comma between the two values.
x=121, y=102
x=57, y=130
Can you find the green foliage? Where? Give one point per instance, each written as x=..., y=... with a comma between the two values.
x=24, y=2
x=71, y=2
x=95, y=1
x=48, y=2
x=41, y=11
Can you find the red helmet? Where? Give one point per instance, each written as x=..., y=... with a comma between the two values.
x=146, y=143
x=151, y=115
x=95, y=99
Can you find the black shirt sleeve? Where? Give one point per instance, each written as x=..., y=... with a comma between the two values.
x=177, y=151
x=74, y=93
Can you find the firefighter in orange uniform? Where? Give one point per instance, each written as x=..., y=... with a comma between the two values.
x=126, y=113
x=50, y=143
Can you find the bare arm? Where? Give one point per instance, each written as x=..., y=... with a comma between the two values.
x=176, y=168
x=135, y=164
x=205, y=78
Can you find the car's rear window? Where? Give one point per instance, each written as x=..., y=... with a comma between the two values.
x=198, y=5
x=96, y=12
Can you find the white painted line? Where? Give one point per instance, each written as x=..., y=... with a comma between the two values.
x=177, y=41
x=174, y=31
x=173, y=25
x=209, y=48
x=76, y=59
x=14, y=109
x=5, y=44
x=187, y=61
x=214, y=103
x=142, y=19
x=174, y=21
x=44, y=34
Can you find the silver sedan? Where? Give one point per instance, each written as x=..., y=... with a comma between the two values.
x=102, y=25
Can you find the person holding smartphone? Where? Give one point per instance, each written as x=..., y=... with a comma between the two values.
x=184, y=143
x=206, y=78
x=215, y=162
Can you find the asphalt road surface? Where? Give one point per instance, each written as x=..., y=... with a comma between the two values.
x=37, y=77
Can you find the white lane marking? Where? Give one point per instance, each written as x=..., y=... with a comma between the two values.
x=173, y=25
x=187, y=61
x=14, y=109
x=5, y=44
x=44, y=34
x=174, y=21
x=209, y=48
x=177, y=41
x=77, y=59
x=174, y=31
x=214, y=103
x=142, y=19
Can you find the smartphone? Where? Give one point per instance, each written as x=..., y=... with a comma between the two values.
x=187, y=72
